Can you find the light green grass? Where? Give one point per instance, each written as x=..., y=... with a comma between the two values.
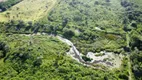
x=28, y=10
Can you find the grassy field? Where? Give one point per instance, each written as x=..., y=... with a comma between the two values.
x=2, y=0
x=28, y=10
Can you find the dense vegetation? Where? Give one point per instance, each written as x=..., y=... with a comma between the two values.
x=43, y=57
x=136, y=58
x=7, y=4
x=93, y=25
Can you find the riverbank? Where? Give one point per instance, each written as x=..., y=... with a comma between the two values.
x=107, y=59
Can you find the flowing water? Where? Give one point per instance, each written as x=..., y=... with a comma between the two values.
x=108, y=59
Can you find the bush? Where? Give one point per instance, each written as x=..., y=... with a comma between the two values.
x=68, y=33
x=86, y=58
x=7, y=4
x=3, y=49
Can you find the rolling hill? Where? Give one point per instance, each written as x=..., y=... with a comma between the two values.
x=28, y=10
x=103, y=40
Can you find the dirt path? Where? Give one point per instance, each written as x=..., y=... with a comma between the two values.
x=127, y=39
x=129, y=68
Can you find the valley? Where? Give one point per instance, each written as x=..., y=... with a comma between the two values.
x=70, y=40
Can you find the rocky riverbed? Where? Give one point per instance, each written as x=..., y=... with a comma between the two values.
x=108, y=59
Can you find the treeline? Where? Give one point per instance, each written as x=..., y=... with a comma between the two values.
x=43, y=57
x=133, y=14
x=22, y=27
x=132, y=21
x=91, y=21
x=7, y=4
x=86, y=36
x=76, y=21
x=136, y=53
x=136, y=60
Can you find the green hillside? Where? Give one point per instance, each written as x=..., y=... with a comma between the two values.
x=71, y=40
x=37, y=57
x=27, y=10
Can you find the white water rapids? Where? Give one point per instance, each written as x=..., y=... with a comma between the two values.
x=74, y=53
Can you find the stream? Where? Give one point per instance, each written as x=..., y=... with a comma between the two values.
x=108, y=59
x=74, y=53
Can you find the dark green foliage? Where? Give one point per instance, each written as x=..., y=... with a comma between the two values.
x=3, y=49
x=38, y=61
x=136, y=58
x=8, y=3
x=95, y=25
x=86, y=58
x=123, y=76
x=86, y=17
x=136, y=43
x=21, y=27
x=68, y=33
x=44, y=58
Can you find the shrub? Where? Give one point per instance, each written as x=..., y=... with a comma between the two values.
x=68, y=33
